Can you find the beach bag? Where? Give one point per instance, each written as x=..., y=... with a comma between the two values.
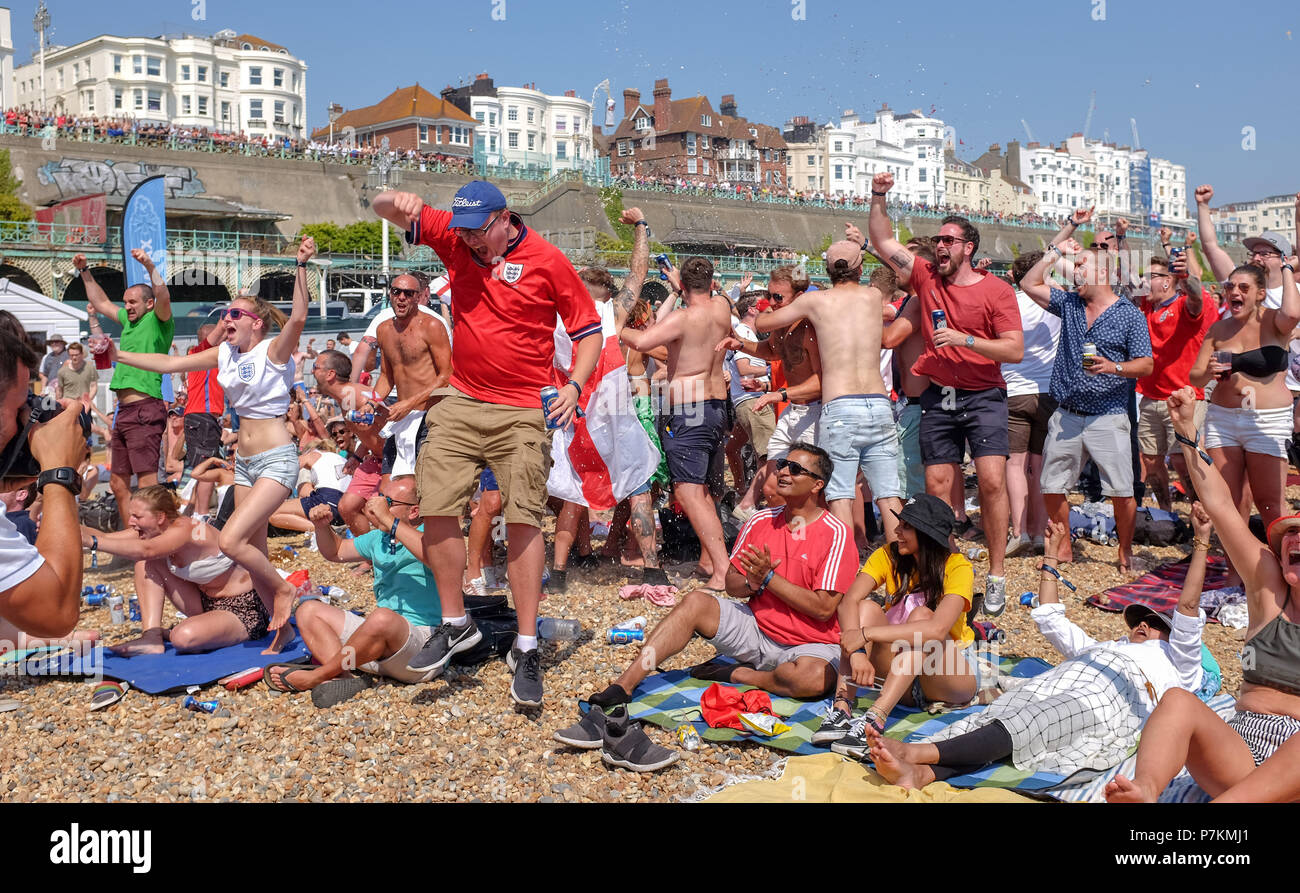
x=1156, y=527
x=499, y=625
x=101, y=513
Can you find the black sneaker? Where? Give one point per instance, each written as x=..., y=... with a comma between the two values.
x=854, y=743
x=834, y=727
x=447, y=640
x=588, y=733
x=628, y=747
x=584, y=562
x=557, y=584
x=526, y=690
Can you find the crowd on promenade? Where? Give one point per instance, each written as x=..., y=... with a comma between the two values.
x=844, y=418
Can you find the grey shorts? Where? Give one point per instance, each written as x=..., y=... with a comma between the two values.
x=739, y=637
x=280, y=464
x=1072, y=439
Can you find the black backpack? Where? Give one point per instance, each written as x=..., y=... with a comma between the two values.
x=1152, y=531
x=498, y=623
x=101, y=513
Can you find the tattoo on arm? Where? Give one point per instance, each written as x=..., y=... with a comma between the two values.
x=901, y=259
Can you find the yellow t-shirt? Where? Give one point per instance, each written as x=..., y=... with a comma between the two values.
x=958, y=579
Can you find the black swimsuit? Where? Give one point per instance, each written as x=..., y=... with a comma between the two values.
x=1262, y=362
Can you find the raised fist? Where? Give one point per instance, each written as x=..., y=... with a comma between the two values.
x=1204, y=194
x=79, y=261
x=882, y=182
x=631, y=216
x=306, y=250
x=409, y=205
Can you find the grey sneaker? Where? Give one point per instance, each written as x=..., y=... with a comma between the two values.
x=1018, y=544
x=834, y=727
x=628, y=747
x=526, y=690
x=445, y=642
x=995, y=595
x=588, y=733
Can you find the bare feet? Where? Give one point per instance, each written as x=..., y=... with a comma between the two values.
x=81, y=635
x=892, y=768
x=1122, y=790
x=282, y=637
x=361, y=569
x=151, y=641
x=282, y=607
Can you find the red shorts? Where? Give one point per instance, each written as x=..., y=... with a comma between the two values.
x=138, y=431
x=365, y=480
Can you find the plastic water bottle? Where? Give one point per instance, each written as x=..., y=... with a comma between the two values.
x=1029, y=599
x=336, y=594
x=557, y=629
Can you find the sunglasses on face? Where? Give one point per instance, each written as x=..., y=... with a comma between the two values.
x=392, y=502
x=237, y=314
x=796, y=468
x=408, y=292
x=947, y=241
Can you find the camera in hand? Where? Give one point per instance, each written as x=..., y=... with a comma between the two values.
x=17, y=461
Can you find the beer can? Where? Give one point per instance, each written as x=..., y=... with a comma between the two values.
x=626, y=636
x=133, y=608
x=688, y=737
x=357, y=417
x=548, y=395
x=193, y=703
x=116, y=614
x=938, y=319
x=1089, y=353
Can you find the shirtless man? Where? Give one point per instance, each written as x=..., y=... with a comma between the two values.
x=795, y=349
x=333, y=370
x=415, y=356
x=903, y=336
x=857, y=423
x=696, y=427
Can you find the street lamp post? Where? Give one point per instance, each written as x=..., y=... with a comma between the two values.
x=323, y=273
x=384, y=174
x=40, y=23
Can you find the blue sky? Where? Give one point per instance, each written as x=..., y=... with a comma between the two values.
x=1193, y=74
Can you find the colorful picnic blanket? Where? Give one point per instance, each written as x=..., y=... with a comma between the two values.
x=672, y=699
x=1159, y=590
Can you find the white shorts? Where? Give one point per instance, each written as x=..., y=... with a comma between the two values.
x=1262, y=431
x=798, y=423
x=393, y=666
x=404, y=434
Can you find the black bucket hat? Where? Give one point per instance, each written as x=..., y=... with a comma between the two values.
x=929, y=515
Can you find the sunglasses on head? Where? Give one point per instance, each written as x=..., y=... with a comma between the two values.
x=237, y=313
x=796, y=468
x=408, y=292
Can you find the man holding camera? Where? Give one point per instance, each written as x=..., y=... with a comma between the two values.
x=40, y=586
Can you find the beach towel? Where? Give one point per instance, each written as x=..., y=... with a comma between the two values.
x=160, y=673
x=671, y=699
x=830, y=778
x=1159, y=589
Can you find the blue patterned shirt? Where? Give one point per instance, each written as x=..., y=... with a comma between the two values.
x=1120, y=334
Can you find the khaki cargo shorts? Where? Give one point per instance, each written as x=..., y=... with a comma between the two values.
x=465, y=436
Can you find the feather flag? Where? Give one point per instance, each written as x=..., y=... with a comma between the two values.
x=597, y=461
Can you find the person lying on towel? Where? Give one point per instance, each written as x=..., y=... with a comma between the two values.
x=1083, y=714
x=792, y=563
x=385, y=640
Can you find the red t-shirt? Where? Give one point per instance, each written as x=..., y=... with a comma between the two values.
x=1176, y=338
x=820, y=556
x=202, y=391
x=504, y=347
x=984, y=310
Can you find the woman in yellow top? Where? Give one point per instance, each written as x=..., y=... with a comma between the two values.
x=916, y=636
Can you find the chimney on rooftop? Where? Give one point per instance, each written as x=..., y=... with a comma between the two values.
x=728, y=105
x=663, y=96
x=571, y=94
x=631, y=99
x=482, y=77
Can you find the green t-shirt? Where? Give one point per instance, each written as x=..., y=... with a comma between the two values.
x=403, y=584
x=148, y=334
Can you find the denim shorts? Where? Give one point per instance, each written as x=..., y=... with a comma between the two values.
x=858, y=431
x=280, y=464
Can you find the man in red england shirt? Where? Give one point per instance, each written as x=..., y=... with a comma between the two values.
x=793, y=563
x=966, y=402
x=509, y=284
x=1178, y=316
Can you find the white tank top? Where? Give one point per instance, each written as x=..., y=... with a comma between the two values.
x=255, y=387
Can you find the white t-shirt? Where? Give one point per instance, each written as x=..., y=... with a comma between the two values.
x=18, y=558
x=1033, y=374
x=738, y=393
x=256, y=387
x=327, y=472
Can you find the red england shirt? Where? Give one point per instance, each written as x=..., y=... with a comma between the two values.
x=821, y=555
x=504, y=347
x=1176, y=338
x=984, y=310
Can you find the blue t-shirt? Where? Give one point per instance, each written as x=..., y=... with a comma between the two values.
x=403, y=584
x=1120, y=334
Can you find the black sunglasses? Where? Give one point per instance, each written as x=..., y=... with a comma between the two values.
x=392, y=502
x=796, y=468
x=948, y=240
x=409, y=292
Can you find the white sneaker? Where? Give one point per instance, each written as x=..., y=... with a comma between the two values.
x=475, y=586
x=995, y=595
x=1018, y=544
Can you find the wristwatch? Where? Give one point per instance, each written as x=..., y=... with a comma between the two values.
x=970, y=340
x=65, y=476
x=1119, y=368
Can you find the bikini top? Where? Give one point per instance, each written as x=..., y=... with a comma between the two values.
x=1261, y=362
x=1276, y=653
x=204, y=570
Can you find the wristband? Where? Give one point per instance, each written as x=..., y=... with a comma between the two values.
x=1200, y=544
x=1057, y=574
x=645, y=223
x=881, y=194
x=766, y=580
x=1288, y=267
x=1193, y=444
x=301, y=265
x=576, y=386
x=1057, y=249
x=785, y=398
x=94, y=543
x=392, y=537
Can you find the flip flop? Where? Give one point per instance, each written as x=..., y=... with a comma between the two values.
x=285, y=685
x=108, y=693
x=336, y=691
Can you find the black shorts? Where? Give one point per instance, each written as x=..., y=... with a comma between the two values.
x=693, y=436
x=202, y=437
x=322, y=496
x=953, y=419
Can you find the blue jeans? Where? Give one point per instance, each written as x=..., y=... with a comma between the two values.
x=911, y=466
x=858, y=431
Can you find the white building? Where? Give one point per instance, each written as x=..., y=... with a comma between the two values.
x=228, y=82
x=909, y=146
x=6, y=61
x=1242, y=220
x=524, y=126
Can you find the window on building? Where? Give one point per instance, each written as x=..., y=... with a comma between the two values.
x=117, y=100
x=706, y=121
x=255, y=76
x=512, y=139
x=577, y=125
x=185, y=72
x=424, y=133
x=139, y=99
x=920, y=133
x=225, y=79
x=920, y=152
x=155, y=100
x=531, y=115
x=512, y=113
x=690, y=144
x=624, y=148
x=117, y=64
x=559, y=124
x=202, y=72
x=492, y=144
x=255, y=109
x=839, y=172
x=88, y=100
x=691, y=166
x=279, y=112
x=225, y=111
x=185, y=105
x=561, y=149
x=532, y=142
x=492, y=119
x=137, y=64
x=154, y=68
x=480, y=116
x=642, y=123
x=812, y=182
x=277, y=77
x=921, y=175
x=76, y=71
x=839, y=146
x=203, y=106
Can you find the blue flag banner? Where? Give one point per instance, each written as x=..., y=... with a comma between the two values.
x=144, y=226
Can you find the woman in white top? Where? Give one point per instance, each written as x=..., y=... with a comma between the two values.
x=178, y=558
x=257, y=373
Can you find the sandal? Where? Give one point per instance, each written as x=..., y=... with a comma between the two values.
x=285, y=685
x=336, y=691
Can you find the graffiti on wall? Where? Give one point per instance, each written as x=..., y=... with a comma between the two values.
x=82, y=176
